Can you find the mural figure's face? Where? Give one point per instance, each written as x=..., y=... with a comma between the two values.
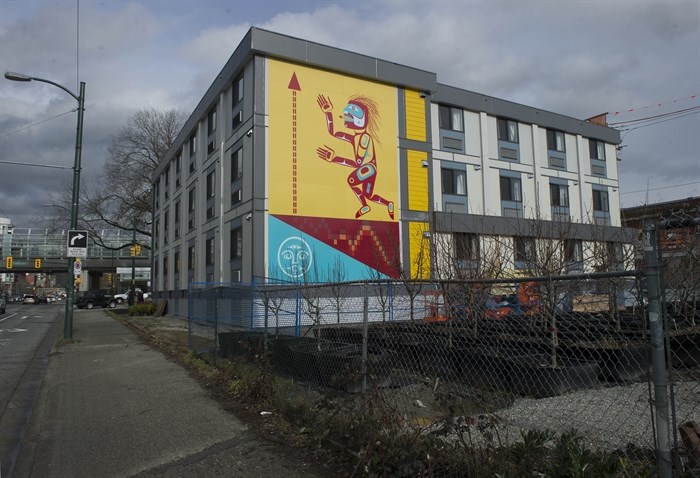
x=294, y=257
x=354, y=116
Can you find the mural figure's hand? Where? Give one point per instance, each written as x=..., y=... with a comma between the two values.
x=324, y=103
x=325, y=153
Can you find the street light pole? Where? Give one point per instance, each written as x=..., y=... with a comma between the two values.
x=80, y=98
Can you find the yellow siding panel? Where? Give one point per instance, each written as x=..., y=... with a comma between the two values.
x=419, y=250
x=415, y=116
x=417, y=181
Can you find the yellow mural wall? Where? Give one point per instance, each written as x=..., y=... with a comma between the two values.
x=415, y=116
x=301, y=182
x=417, y=180
x=419, y=247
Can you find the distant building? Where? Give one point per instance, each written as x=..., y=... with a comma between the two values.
x=679, y=236
x=304, y=162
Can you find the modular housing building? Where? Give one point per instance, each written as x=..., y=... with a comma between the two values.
x=304, y=162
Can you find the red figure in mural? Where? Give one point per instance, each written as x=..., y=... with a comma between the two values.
x=360, y=116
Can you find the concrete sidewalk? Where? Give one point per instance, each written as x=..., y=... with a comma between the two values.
x=110, y=406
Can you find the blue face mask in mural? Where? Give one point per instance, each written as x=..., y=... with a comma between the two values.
x=294, y=257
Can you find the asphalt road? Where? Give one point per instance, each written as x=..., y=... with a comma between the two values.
x=27, y=333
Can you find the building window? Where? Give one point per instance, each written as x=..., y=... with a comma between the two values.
x=236, y=197
x=507, y=130
x=508, y=147
x=211, y=121
x=237, y=96
x=466, y=248
x=454, y=181
x=166, y=220
x=156, y=192
x=191, y=196
x=524, y=248
x=573, y=254
x=237, y=165
x=211, y=130
x=597, y=153
x=178, y=168
x=176, y=219
x=190, y=257
x=597, y=149
x=176, y=270
x=211, y=191
x=209, y=252
x=166, y=185
x=451, y=118
x=601, y=201
x=601, y=206
x=193, y=152
x=156, y=232
x=511, y=189
x=165, y=272
x=560, y=195
x=555, y=141
x=211, y=187
x=236, y=243
x=511, y=196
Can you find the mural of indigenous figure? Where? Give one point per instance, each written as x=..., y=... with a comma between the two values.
x=361, y=118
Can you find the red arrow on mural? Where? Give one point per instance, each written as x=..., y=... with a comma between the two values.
x=294, y=86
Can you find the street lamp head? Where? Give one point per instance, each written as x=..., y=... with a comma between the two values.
x=10, y=75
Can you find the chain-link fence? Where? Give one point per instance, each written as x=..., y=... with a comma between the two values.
x=596, y=372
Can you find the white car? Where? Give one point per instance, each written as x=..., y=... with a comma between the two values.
x=121, y=298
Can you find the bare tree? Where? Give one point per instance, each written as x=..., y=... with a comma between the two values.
x=121, y=198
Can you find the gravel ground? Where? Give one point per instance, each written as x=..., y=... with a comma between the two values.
x=607, y=418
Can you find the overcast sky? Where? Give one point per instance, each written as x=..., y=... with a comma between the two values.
x=639, y=59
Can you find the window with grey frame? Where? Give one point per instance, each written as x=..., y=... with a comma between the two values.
x=511, y=195
x=191, y=256
x=559, y=194
x=209, y=252
x=156, y=233
x=176, y=270
x=166, y=182
x=165, y=272
x=508, y=147
x=191, y=203
x=454, y=187
x=597, y=153
x=556, y=149
x=176, y=219
x=156, y=192
x=524, y=252
x=573, y=254
x=178, y=169
x=466, y=251
x=236, y=175
x=451, y=123
x=192, y=150
x=211, y=193
x=236, y=252
x=601, y=206
x=211, y=131
x=237, y=102
x=166, y=224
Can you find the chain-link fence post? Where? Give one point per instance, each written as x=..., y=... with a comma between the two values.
x=266, y=302
x=365, y=333
x=658, y=352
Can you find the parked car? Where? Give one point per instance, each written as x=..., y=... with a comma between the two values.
x=121, y=298
x=95, y=298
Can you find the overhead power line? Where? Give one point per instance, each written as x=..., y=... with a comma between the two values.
x=664, y=187
x=36, y=124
